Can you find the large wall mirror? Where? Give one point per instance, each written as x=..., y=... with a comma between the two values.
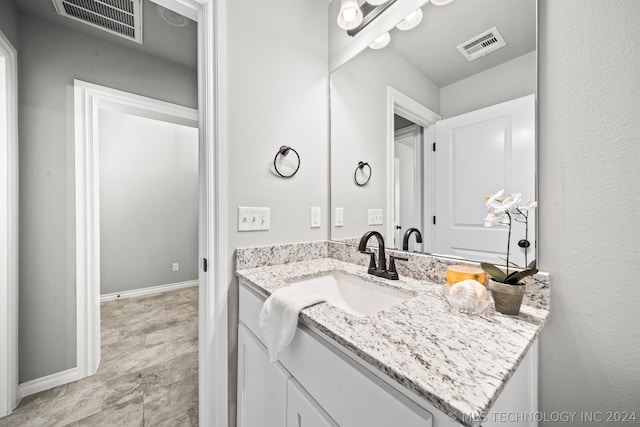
x=437, y=132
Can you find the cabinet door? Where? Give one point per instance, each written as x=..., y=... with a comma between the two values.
x=262, y=385
x=303, y=411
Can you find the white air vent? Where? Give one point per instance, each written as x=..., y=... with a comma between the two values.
x=481, y=45
x=120, y=17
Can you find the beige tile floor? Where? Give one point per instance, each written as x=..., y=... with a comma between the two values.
x=148, y=373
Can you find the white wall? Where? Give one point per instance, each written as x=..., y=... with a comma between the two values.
x=589, y=105
x=50, y=58
x=277, y=91
x=359, y=131
x=510, y=80
x=148, y=202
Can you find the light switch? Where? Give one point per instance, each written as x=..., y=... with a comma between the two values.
x=339, y=217
x=375, y=217
x=315, y=217
x=254, y=219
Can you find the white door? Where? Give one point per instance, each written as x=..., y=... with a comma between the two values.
x=479, y=153
x=303, y=411
x=262, y=385
x=408, y=184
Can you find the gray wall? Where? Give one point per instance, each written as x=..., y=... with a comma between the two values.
x=148, y=202
x=510, y=80
x=50, y=58
x=9, y=21
x=589, y=104
x=359, y=131
x=277, y=91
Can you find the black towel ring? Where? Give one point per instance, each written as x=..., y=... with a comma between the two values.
x=360, y=167
x=283, y=151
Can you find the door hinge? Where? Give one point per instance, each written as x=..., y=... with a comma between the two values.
x=204, y=264
x=434, y=220
x=434, y=146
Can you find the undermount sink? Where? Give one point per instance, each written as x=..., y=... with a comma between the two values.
x=353, y=294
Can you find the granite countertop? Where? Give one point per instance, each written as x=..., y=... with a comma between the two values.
x=459, y=363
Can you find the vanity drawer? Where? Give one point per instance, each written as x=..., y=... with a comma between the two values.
x=249, y=310
x=351, y=397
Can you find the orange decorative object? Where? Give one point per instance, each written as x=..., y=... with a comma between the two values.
x=458, y=273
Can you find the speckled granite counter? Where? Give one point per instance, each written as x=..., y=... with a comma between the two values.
x=458, y=363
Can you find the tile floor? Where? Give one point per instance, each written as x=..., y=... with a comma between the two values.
x=148, y=374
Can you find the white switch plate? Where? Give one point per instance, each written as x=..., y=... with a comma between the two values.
x=254, y=219
x=375, y=217
x=315, y=217
x=175, y=266
x=339, y=217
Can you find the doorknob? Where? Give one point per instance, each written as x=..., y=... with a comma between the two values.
x=524, y=243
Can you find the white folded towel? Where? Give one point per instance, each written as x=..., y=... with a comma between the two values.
x=279, y=316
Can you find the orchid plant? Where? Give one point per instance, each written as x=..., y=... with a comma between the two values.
x=503, y=210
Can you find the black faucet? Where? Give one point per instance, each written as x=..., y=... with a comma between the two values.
x=381, y=269
x=407, y=234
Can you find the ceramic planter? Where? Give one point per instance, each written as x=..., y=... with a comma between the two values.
x=508, y=298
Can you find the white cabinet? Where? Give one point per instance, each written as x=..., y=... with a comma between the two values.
x=262, y=386
x=303, y=411
x=315, y=384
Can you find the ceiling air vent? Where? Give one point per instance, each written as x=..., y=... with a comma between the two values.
x=481, y=45
x=120, y=17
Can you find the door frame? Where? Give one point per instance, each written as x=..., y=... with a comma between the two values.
x=9, y=229
x=89, y=100
x=418, y=141
x=213, y=283
x=405, y=106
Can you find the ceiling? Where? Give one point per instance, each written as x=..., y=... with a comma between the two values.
x=432, y=45
x=160, y=39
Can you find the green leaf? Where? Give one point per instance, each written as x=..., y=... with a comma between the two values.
x=493, y=271
x=515, y=277
x=532, y=264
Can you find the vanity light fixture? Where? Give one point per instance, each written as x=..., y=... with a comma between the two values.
x=411, y=21
x=441, y=2
x=350, y=15
x=381, y=41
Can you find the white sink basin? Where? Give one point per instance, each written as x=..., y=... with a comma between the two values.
x=353, y=294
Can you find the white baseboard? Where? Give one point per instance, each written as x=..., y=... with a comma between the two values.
x=44, y=383
x=148, y=291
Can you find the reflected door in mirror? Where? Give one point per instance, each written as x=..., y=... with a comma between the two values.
x=477, y=154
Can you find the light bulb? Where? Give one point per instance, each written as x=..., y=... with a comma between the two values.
x=350, y=15
x=441, y=2
x=381, y=41
x=376, y=2
x=411, y=21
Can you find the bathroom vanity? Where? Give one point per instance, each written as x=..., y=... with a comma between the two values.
x=415, y=363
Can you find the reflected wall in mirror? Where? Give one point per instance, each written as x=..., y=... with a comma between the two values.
x=394, y=106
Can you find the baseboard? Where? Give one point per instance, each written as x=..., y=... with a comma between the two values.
x=148, y=291
x=44, y=383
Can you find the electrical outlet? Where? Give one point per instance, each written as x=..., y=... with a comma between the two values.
x=254, y=219
x=315, y=217
x=375, y=217
x=339, y=217
x=175, y=266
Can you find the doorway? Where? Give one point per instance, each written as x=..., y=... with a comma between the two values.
x=8, y=227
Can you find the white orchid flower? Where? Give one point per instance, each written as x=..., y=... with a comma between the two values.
x=528, y=205
x=492, y=199
x=495, y=217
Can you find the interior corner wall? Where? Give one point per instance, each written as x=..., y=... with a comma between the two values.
x=9, y=22
x=277, y=92
x=505, y=82
x=589, y=104
x=50, y=58
x=148, y=202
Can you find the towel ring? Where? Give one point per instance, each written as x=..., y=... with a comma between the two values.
x=360, y=167
x=284, y=151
